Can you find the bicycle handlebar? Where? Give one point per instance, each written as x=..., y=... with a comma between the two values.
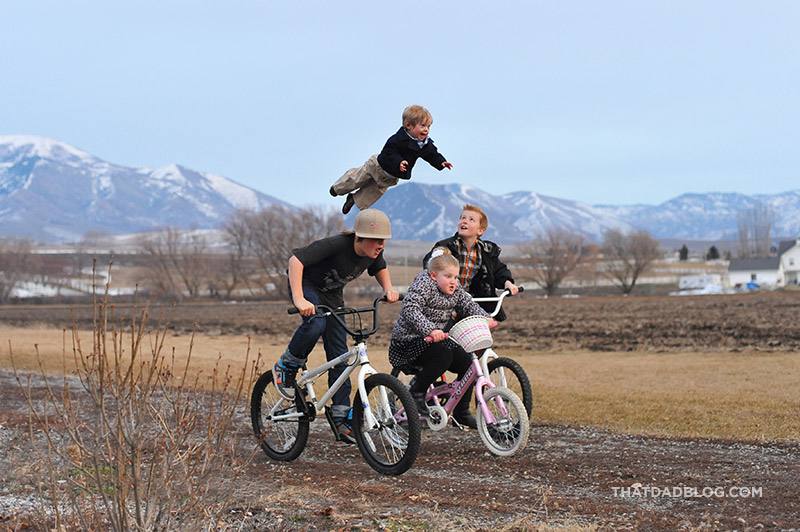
x=498, y=299
x=337, y=314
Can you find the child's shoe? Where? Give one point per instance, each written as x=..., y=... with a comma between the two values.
x=461, y=413
x=285, y=379
x=349, y=201
x=344, y=426
x=419, y=400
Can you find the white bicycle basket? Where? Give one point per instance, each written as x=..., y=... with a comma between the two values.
x=472, y=333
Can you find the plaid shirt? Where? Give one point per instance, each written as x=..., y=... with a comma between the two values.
x=470, y=260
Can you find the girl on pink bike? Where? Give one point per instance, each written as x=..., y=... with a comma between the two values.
x=418, y=338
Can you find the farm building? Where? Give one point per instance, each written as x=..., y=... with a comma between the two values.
x=764, y=271
x=789, y=253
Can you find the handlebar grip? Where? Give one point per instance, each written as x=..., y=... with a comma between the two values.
x=292, y=310
x=521, y=289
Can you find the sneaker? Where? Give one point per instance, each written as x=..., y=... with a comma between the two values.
x=344, y=428
x=422, y=406
x=284, y=379
x=333, y=192
x=348, y=204
x=465, y=420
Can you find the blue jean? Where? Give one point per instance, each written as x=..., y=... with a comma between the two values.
x=334, y=339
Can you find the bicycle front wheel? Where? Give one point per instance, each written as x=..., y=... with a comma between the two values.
x=507, y=373
x=392, y=443
x=280, y=439
x=509, y=433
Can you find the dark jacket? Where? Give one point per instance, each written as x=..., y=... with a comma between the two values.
x=492, y=274
x=401, y=147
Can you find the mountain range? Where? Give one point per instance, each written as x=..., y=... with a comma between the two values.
x=51, y=191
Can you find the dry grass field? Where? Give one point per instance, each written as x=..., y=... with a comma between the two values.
x=740, y=396
x=627, y=391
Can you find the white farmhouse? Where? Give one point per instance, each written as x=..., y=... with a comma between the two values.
x=789, y=253
x=764, y=271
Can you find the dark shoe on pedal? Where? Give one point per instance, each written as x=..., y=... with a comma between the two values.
x=349, y=201
x=285, y=379
x=465, y=420
x=344, y=428
x=419, y=400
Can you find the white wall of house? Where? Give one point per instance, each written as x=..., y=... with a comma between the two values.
x=762, y=277
x=790, y=265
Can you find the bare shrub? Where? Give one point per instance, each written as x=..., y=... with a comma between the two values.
x=141, y=443
x=554, y=255
x=15, y=262
x=627, y=256
x=178, y=262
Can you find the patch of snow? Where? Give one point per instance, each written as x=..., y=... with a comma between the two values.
x=238, y=195
x=45, y=147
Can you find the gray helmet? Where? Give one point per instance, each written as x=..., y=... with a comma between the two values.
x=372, y=223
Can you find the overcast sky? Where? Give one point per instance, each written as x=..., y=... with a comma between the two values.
x=602, y=102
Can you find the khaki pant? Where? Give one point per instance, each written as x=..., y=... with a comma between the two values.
x=368, y=183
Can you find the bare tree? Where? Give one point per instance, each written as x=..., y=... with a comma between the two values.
x=627, y=256
x=178, y=262
x=15, y=263
x=276, y=231
x=554, y=254
x=755, y=225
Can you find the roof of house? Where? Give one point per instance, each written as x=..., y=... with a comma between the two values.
x=785, y=245
x=754, y=264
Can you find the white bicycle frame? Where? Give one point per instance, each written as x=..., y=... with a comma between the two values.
x=306, y=380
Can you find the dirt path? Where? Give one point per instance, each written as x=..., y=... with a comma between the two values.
x=565, y=476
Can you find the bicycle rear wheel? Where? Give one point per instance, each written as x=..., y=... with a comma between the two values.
x=281, y=440
x=507, y=373
x=391, y=446
x=509, y=434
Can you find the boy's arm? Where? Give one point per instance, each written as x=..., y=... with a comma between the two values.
x=435, y=158
x=503, y=278
x=296, y=268
x=385, y=280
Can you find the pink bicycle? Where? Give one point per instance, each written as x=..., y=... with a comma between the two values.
x=503, y=423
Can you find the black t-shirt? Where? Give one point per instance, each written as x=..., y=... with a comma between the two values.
x=331, y=263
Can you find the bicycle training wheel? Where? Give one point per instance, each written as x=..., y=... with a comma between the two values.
x=391, y=447
x=507, y=373
x=281, y=439
x=509, y=434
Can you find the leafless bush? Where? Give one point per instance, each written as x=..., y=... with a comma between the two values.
x=554, y=255
x=627, y=256
x=179, y=262
x=15, y=263
x=138, y=446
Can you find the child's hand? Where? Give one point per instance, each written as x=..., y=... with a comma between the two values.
x=305, y=307
x=448, y=165
x=493, y=323
x=392, y=295
x=437, y=335
x=403, y=166
x=511, y=287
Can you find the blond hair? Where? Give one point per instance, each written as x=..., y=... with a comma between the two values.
x=440, y=259
x=476, y=209
x=416, y=114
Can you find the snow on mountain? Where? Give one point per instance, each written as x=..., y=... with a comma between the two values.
x=51, y=191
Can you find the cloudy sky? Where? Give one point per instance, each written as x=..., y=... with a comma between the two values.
x=603, y=102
